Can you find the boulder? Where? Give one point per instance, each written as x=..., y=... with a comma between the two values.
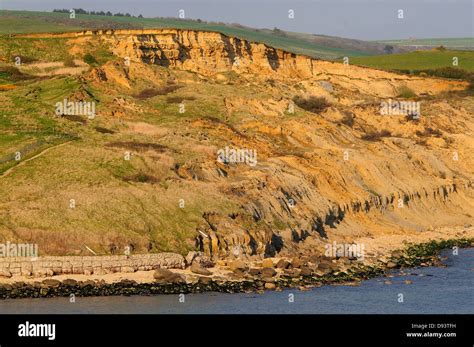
x=221, y=262
x=5, y=273
x=238, y=265
x=270, y=286
x=324, y=266
x=391, y=265
x=306, y=271
x=198, y=269
x=268, y=279
x=204, y=280
x=296, y=263
x=190, y=257
x=87, y=283
x=204, y=261
x=326, y=85
x=51, y=283
x=268, y=272
x=69, y=282
x=267, y=263
x=314, y=259
x=283, y=264
x=294, y=273
x=166, y=276
x=255, y=271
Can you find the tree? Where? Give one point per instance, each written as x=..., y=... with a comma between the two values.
x=388, y=49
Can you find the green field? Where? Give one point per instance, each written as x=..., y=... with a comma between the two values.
x=418, y=60
x=451, y=43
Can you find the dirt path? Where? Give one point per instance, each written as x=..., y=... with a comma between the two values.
x=6, y=173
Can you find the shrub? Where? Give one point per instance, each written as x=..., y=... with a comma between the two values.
x=376, y=136
x=104, y=130
x=151, y=92
x=450, y=72
x=405, y=92
x=313, y=104
x=348, y=119
x=141, y=178
x=12, y=73
x=89, y=59
x=428, y=132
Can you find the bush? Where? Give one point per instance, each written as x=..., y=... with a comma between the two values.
x=313, y=104
x=11, y=73
x=444, y=72
x=450, y=72
x=428, y=132
x=151, y=92
x=141, y=178
x=405, y=92
x=348, y=119
x=89, y=59
x=376, y=136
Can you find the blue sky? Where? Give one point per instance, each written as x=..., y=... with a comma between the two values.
x=361, y=19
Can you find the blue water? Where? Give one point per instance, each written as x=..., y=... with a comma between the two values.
x=433, y=290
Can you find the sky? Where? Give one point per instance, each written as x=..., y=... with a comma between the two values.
x=360, y=19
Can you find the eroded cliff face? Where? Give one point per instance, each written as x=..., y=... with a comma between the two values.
x=344, y=173
x=211, y=53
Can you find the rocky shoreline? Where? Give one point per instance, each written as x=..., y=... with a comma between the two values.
x=292, y=273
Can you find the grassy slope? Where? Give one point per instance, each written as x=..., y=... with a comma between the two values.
x=109, y=208
x=419, y=60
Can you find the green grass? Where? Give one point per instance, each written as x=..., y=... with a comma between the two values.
x=51, y=49
x=14, y=25
x=453, y=43
x=419, y=60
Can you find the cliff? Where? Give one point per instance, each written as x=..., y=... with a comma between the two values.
x=344, y=172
